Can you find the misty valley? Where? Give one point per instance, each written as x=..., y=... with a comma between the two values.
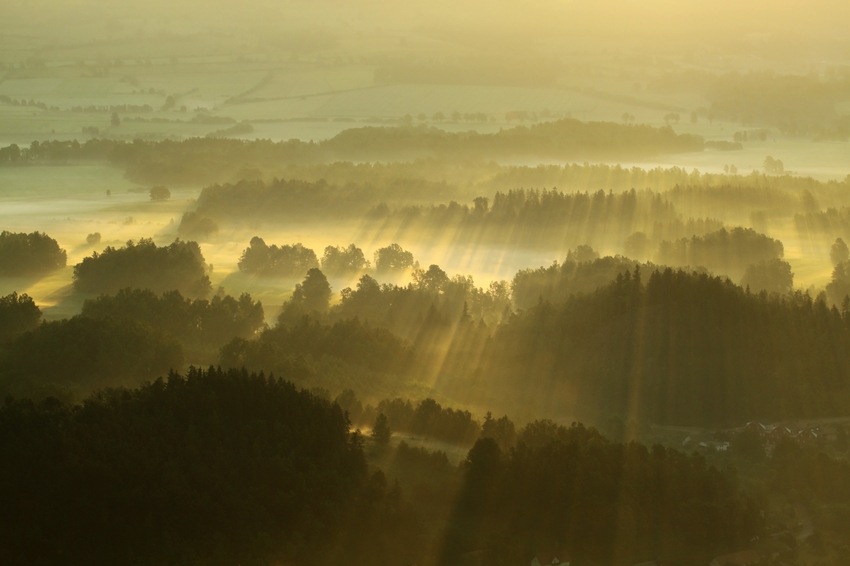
x=437, y=284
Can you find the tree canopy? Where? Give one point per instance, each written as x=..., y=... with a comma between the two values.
x=144, y=265
x=71, y=357
x=213, y=467
x=18, y=313
x=284, y=261
x=29, y=254
x=199, y=322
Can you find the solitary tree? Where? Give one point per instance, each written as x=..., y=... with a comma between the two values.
x=582, y=253
x=381, y=432
x=18, y=313
x=502, y=430
x=340, y=261
x=314, y=292
x=160, y=193
x=839, y=252
x=772, y=275
x=432, y=280
x=393, y=258
x=773, y=166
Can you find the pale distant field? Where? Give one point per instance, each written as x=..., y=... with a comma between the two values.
x=313, y=94
x=286, y=100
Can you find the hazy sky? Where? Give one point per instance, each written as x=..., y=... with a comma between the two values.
x=823, y=21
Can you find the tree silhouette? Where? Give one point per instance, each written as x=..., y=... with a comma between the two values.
x=393, y=258
x=18, y=313
x=160, y=193
x=29, y=254
x=839, y=252
x=381, y=432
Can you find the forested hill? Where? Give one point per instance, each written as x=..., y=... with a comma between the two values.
x=213, y=468
x=680, y=348
x=204, y=159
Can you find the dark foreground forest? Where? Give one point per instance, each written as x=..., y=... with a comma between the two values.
x=230, y=467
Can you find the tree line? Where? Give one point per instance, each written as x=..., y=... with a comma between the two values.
x=564, y=139
x=547, y=219
x=297, y=260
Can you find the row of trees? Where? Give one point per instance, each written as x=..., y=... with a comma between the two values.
x=543, y=219
x=18, y=313
x=565, y=139
x=199, y=322
x=731, y=250
x=260, y=258
x=584, y=271
x=432, y=296
x=208, y=161
x=429, y=418
x=832, y=222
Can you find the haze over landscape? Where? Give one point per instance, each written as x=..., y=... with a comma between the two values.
x=436, y=283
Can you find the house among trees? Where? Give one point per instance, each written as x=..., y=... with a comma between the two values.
x=772, y=434
x=717, y=446
x=743, y=558
x=559, y=558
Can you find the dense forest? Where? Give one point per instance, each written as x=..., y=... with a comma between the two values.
x=680, y=347
x=658, y=341
x=68, y=358
x=607, y=503
x=190, y=469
